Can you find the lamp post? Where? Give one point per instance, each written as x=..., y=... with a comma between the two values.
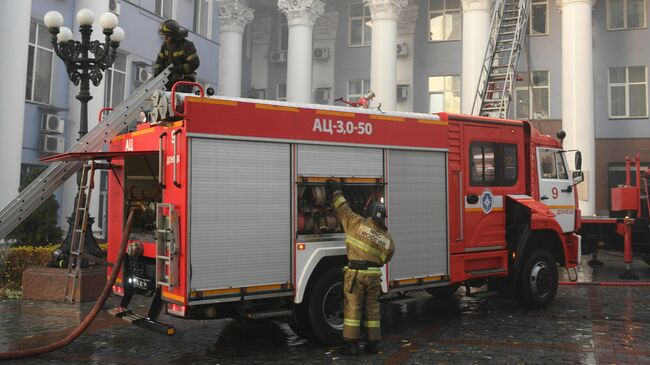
x=85, y=61
x=81, y=68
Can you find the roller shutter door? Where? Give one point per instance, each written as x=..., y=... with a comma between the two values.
x=317, y=160
x=240, y=213
x=417, y=213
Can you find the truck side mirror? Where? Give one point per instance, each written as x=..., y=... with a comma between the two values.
x=578, y=161
x=578, y=177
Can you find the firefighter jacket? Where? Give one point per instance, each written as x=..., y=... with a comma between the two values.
x=183, y=55
x=365, y=240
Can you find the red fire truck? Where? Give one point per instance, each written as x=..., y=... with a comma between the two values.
x=236, y=220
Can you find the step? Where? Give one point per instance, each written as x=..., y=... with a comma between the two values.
x=482, y=294
x=271, y=313
x=401, y=299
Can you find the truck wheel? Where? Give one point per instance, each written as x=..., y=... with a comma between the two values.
x=443, y=292
x=326, y=307
x=538, y=281
x=300, y=325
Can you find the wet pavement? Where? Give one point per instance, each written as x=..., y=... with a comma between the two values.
x=590, y=324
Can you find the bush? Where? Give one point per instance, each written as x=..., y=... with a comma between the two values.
x=41, y=226
x=16, y=259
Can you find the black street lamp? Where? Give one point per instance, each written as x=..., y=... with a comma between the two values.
x=82, y=68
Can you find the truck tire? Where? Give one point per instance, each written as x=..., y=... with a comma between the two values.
x=326, y=307
x=538, y=281
x=443, y=292
x=300, y=324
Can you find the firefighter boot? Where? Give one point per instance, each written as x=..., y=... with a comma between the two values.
x=371, y=347
x=351, y=348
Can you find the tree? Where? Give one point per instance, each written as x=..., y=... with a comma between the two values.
x=40, y=228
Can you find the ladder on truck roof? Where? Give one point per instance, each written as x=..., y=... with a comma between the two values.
x=507, y=32
x=58, y=172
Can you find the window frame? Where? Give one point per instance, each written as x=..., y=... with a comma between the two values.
x=445, y=91
x=161, y=14
x=365, y=87
x=443, y=12
x=197, y=19
x=625, y=15
x=546, y=25
x=283, y=24
x=499, y=164
x=108, y=94
x=35, y=61
x=364, y=19
x=626, y=84
x=531, y=93
x=277, y=92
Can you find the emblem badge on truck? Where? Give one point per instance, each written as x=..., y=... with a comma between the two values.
x=487, y=201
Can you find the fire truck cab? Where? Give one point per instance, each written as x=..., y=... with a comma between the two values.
x=234, y=219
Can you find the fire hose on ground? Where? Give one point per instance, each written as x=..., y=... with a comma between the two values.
x=91, y=315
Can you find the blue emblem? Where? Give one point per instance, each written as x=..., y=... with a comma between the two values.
x=487, y=201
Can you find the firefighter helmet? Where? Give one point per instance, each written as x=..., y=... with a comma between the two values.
x=172, y=28
x=377, y=211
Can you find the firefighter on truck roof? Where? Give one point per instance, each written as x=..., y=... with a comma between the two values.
x=178, y=51
x=369, y=246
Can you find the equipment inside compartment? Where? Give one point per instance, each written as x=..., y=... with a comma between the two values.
x=142, y=190
x=316, y=216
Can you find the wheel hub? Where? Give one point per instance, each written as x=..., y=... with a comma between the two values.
x=541, y=280
x=333, y=306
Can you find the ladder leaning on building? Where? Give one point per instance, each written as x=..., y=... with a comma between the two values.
x=507, y=32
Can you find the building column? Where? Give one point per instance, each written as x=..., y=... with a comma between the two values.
x=14, y=36
x=383, y=60
x=577, y=92
x=233, y=18
x=301, y=15
x=476, y=31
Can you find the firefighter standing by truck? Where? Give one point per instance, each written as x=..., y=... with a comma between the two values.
x=177, y=50
x=369, y=246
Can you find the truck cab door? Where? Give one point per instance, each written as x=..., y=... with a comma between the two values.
x=556, y=189
x=483, y=217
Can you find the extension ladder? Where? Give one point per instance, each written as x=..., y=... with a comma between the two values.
x=499, y=70
x=80, y=225
x=58, y=172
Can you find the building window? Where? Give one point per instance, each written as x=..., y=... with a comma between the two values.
x=203, y=18
x=539, y=17
x=625, y=14
x=284, y=33
x=115, y=81
x=39, y=64
x=281, y=92
x=357, y=88
x=444, y=20
x=444, y=94
x=532, y=98
x=165, y=8
x=628, y=92
x=360, y=31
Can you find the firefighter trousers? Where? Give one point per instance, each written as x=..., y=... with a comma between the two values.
x=361, y=306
